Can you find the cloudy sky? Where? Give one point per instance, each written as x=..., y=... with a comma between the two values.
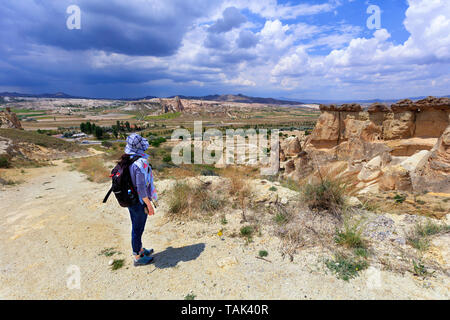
x=315, y=49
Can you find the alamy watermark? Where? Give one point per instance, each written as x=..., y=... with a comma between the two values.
x=374, y=21
x=74, y=19
x=74, y=277
x=247, y=147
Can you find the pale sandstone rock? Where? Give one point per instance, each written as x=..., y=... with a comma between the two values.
x=227, y=261
x=368, y=187
x=416, y=160
x=291, y=146
x=400, y=125
x=395, y=178
x=353, y=202
x=371, y=170
x=327, y=130
x=434, y=174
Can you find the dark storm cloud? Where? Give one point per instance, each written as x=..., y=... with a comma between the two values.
x=132, y=27
x=232, y=18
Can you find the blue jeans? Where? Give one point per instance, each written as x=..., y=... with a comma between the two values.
x=138, y=219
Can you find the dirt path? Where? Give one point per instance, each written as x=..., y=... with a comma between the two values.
x=56, y=220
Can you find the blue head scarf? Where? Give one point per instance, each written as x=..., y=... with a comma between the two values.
x=136, y=145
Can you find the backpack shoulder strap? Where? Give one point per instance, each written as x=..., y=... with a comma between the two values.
x=107, y=195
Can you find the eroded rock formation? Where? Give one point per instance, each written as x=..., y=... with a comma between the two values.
x=404, y=147
x=8, y=119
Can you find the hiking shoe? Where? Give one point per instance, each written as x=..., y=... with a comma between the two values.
x=146, y=252
x=142, y=261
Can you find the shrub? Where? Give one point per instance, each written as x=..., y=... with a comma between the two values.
x=421, y=244
x=117, y=264
x=350, y=236
x=190, y=296
x=179, y=198
x=280, y=218
x=326, y=195
x=418, y=238
x=224, y=220
x=246, y=231
x=184, y=198
x=157, y=141
x=263, y=253
x=167, y=159
x=236, y=184
x=4, y=162
x=399, y=198
x=210, y=204
x=361, y=252
x=107, y=144
x=346, y=268
x=208, y=172
x=430, y=228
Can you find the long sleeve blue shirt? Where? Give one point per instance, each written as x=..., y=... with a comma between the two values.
x=138, y=180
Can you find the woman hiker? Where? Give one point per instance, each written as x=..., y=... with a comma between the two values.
x=142, y=180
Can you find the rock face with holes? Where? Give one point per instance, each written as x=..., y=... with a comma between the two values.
x=9, y=120
x=433, y=172
x=401, y=147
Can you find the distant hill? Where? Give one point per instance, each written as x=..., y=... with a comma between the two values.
x=215, y=97
x=240, y=98
x=62, y=95
x=388, y=101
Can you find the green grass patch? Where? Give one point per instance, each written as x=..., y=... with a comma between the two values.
x=247, y=231
x=419, y=237
x=190, y=296
x=117, y=264
x=346, y=268
x=399, y=198
x=4, y=162
x=263, y=253
x=108, y=252
x=224, y=221
x=420, y=270
x=165, y=116
x=280, y=218
x=350, y=236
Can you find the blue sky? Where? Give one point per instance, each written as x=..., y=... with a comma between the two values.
x=316, y=49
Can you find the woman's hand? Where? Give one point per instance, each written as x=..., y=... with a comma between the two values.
x=150, y=211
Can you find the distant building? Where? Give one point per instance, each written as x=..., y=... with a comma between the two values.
x=79, y=135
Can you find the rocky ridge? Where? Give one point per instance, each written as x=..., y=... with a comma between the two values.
x=405, y=147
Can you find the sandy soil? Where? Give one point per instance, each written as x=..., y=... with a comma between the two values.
x=56, y=220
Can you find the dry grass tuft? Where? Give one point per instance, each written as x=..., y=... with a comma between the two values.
x=93, y=167
x=305, y=229
x=186, y=200
x=326, y=194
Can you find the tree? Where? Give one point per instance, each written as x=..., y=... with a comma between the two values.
x=88, y=127
x=115, y=131
x=98, y=132
x=127, y=125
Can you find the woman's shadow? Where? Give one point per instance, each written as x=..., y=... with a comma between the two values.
x=170, y=257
